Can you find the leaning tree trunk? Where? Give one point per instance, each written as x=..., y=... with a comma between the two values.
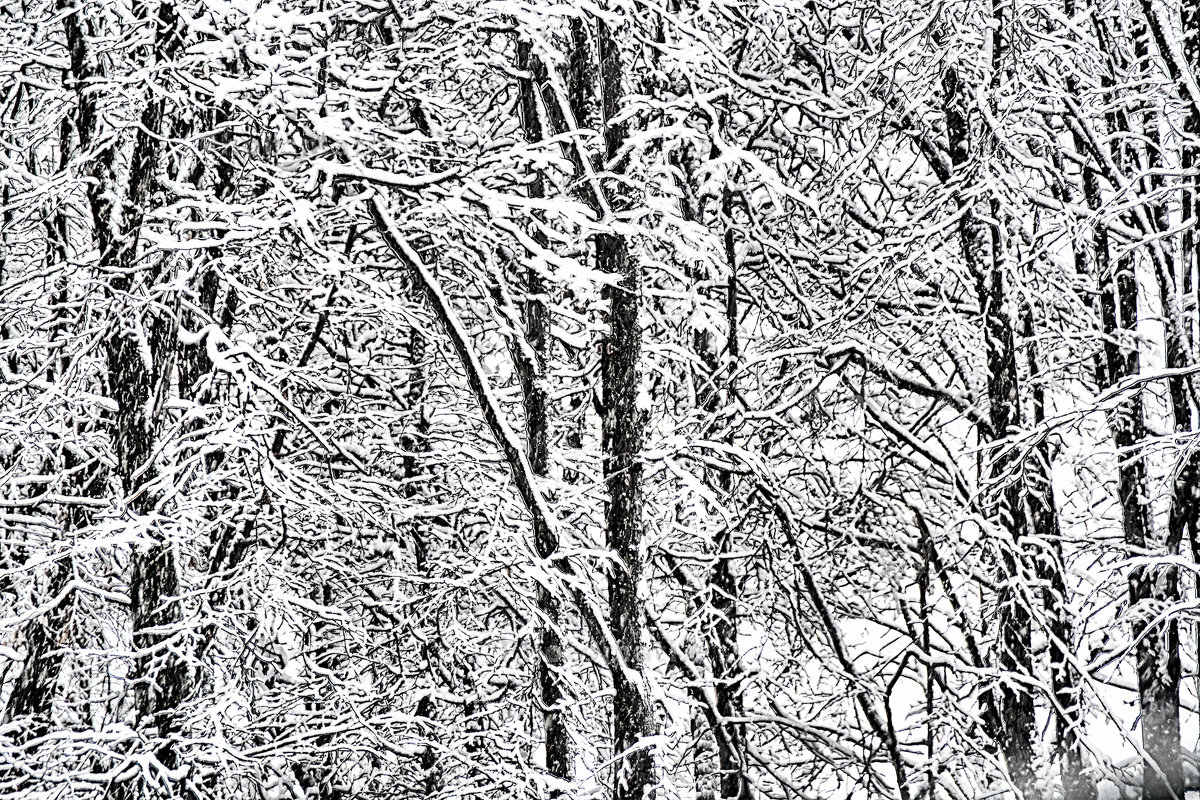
x=537, y=438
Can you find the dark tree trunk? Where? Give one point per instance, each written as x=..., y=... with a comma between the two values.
x=1157, y=648
x=1043, y=516
x=33, y=691
x=537, y=438
x=416, y=444
x=724, y=587
x=1156, y=641
x=621, y=445
x=161, y=679
x=1185, y=502
x=1157, y=645
x=623, y=431
x=715, y=381
x=1065, y=681
x=981, y=249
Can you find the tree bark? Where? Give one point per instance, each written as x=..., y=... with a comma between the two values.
x=537, y=441
x=33, y=692
x=981, y=247
x=32, y=695
x=621, y=444
x=1042, y=512
x=722, y=588
x=136, y=383
x=1186, y=488
x=1156, y=643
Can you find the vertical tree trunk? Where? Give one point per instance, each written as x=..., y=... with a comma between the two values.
x=721, y=625
x=726, y=590
x=1162, y=769
x=719, y=601
x=414, y=444
x=137, y=386
x=1184, y=517
x=623, y=430
x=319, y=777
x=32, y=694
x=1157, y=646
x=537, y=441
x=981, y=248
x=1064, y=678
x=1156, y=643
x=1186, y=489
x=621, y=444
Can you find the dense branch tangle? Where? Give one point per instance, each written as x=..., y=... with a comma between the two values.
x=701, y=399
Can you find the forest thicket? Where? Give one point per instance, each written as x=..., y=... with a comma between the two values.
x=613, y=399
